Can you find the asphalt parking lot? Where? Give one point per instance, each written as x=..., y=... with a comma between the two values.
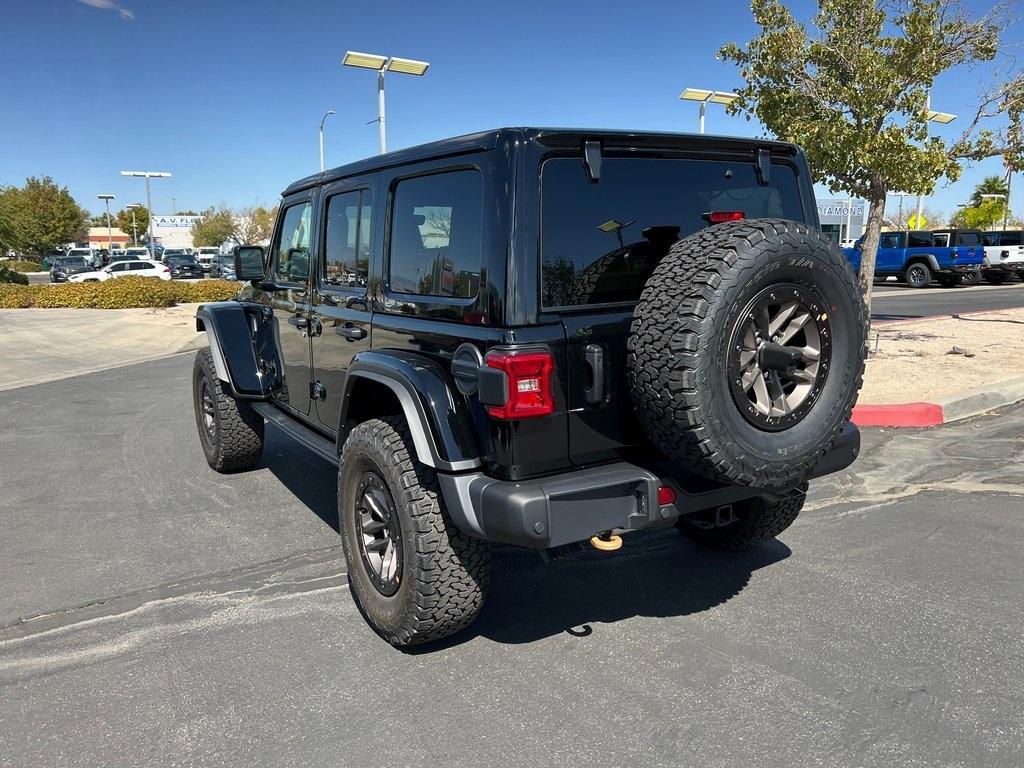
x=153, y=612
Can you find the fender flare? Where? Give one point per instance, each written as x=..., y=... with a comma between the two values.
x=933, y=263
x=438, y=417
x=234, y=360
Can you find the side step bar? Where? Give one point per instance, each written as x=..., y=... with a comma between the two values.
x=314, y=441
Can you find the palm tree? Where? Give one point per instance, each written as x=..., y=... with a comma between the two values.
x=990, y=185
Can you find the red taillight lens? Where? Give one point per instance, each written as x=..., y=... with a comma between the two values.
x=717, y=217
x=666, y=496
x=529, y=384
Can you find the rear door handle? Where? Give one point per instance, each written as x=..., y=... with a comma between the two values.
x=594, y=357
x=299, y=321
x=351, y=332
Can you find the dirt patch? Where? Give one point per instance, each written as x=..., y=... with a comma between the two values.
x=916, y=362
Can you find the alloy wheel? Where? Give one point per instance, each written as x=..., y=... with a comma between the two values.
x=379, y=533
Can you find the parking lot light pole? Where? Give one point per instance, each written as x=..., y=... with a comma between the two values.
x=135, y=234
x=149, y=201
x=938, y=117
x=380, y=64
x=106, y=199
x=704, y=96
x=327, y=114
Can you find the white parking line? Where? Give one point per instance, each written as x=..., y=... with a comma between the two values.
x=876, y=295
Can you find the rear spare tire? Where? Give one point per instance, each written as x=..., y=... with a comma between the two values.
x=746, y=351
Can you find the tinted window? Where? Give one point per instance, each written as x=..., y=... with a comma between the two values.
x=990, y=238
x=600, y=242
x=137, y=265
x=1010, y=238
x=291, y=249
x=120, y=266
x=347, y=241
x=890, y=240
x=436, y=235
x=968, y=238
x=919, y=239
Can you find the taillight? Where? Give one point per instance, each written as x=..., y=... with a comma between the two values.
x=717, y=217
x=529, y=384
x=666, y=495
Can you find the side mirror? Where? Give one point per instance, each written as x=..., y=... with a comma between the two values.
x=248, y=262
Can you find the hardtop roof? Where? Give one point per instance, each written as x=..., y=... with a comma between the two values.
x=487, y=140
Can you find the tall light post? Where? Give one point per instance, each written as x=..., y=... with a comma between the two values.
x=327, y=114
x=380, y=63
x=135, y=235
x=704, y=96
x=149, y=200
x=938, y=117
x=106, y=200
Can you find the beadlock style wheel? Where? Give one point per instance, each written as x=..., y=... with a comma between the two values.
x=380, y=541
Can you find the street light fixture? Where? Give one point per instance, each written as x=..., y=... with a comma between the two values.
x=135, y=235
x=704, y=96
x=380, y=63
x=106, y=200
x=149, y=200
x=327, y=114
x=945, y=118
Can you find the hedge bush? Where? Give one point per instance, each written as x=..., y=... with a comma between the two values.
x=20, y=265
x=10, y=276
x=121, y=293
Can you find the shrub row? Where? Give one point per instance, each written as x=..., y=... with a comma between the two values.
x=20, y=265
x=121, y=293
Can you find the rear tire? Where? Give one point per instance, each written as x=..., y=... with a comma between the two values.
x=230, y=431
x=970, y=278
x=756, y=521
x=918, y=275
x=434, y=581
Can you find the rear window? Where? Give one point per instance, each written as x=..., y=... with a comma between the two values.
x=600, y=242
x=968, y=238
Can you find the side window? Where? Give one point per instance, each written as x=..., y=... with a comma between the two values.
x=889, y=240
x=120, y=266
x=968, y=238
x=990, y=238
x=1010, y=238
x=347, y=241
x=919, y=239
x=291, y=249
x=436, y=235
x=941, y=241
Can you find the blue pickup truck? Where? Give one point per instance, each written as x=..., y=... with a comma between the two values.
x=918, y=257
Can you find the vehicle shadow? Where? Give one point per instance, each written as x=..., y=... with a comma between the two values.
x=309, y=478
x=657, y=574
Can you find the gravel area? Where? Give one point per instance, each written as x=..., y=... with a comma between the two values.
x=917, y=360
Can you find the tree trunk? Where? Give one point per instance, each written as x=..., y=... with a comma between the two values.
x=869, y=249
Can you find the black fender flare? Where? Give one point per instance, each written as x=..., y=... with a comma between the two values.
x=226, y=324
x=438, y=416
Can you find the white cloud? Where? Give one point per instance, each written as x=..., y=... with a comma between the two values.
x=110, y=5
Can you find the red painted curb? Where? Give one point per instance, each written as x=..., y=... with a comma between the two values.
x=898, y=415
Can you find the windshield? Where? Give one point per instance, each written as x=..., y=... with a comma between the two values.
x=70, y=261
x=600, y=242
x=81, y=254
x=180, y=260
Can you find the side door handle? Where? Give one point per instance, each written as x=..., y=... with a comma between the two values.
x=299, y=321
x=351, y=332
x=594, y=357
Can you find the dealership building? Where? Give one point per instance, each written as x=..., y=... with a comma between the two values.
x=842, y=219
x=174, y=231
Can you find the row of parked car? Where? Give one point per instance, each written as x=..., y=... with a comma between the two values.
x=947, y=256
x=81, y=265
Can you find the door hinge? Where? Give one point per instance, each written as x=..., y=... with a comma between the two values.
x=317, y=391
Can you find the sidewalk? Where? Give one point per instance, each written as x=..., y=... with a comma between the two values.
x=47, y=344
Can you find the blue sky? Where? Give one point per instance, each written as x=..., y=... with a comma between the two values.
x=237, y=89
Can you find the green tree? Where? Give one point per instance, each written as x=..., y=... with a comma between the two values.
x=123, y=221
x=990, y=185
x=38, y=216
x=985, y=215
x=852, y=88
x=216, y=226
x=99, y=219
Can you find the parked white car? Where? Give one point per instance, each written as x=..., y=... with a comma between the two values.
x=1004, y=255
x=140, y=268
x=205, y=256
x=139, y=253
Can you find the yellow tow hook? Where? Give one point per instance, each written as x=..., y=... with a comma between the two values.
x=606, y=542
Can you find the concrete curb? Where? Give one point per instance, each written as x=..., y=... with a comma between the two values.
x=953, y=408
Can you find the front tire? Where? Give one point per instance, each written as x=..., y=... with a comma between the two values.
x=918, y=275
x=230, y=431
x=755, y=522
x=414, y=575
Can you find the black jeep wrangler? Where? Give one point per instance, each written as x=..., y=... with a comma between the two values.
x=540, y=337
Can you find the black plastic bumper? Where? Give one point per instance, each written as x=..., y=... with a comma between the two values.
x=551, y=511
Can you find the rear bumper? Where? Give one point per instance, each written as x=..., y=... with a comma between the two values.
x=561, y=509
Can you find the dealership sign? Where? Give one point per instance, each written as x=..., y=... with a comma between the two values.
x=828, y=211
x=183, y=222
